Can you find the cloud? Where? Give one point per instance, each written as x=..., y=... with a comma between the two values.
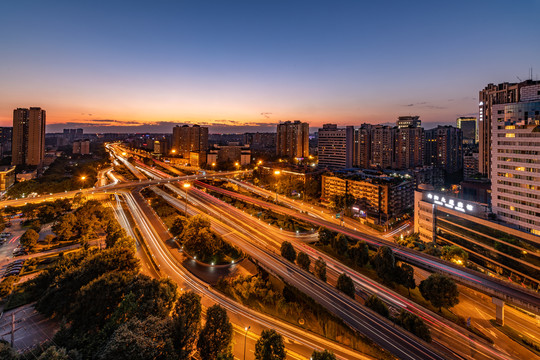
x=266, y=114
x=424, y=105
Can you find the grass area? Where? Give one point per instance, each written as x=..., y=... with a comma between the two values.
x=270, y=295
x=521, y=339
x=166, y=212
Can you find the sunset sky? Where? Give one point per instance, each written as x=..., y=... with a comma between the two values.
x=145, y=65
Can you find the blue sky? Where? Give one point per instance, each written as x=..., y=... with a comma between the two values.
x=254, y=63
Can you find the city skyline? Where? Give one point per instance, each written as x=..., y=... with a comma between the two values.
x=246, y=66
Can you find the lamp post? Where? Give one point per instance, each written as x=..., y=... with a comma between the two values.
x=245, y=340
x=186, y=186
x=277, y=173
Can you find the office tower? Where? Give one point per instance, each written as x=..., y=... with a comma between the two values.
x=292, y=139
x=6, y=134
x=188, y=139
x=28, y=145
x=515, y=160
x=382, y=146
x=409, y=147
x=468, y=127
x=362, y=146
x=408, y=121
x=443, y=148
x=336, y=147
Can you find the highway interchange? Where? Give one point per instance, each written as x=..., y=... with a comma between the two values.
x=261, y=241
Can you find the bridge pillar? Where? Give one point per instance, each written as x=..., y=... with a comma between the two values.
x=499, y=310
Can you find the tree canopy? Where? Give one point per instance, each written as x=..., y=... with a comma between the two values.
x=270, y=346
x=440, y=290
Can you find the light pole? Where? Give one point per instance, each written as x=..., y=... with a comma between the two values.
x=186, y=186
x=245, y=340
x=277, y=173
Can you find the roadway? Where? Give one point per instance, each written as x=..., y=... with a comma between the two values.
x=252, y=242
x=447, y=334
x=520, y=297
x=300, y=341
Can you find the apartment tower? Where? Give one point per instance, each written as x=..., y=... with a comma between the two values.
x=292, y=139
x=28, y=145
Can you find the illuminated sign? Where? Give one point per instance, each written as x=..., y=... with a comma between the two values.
x=450, y=203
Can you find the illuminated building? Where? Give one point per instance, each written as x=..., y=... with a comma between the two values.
x=28, y=145
x=292, y=139
x=515, y=162
x=336, y=147
x=468, y=127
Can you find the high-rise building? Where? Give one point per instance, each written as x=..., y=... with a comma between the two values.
x=470, y=165
x=188, y=139
x=468, y=127
x=515, y=161
x=336, y=147
x=6, y=135
x=28, y=145
x=408, y=121
x=292, y=139
x=362, y=146
x=81, y=147
x=383, y=146
x=505, y=93
x=443, y=148
x=409, y=147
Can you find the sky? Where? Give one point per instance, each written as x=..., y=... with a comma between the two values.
x=239, y=65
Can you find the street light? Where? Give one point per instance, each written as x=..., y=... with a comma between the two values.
x=186, y=186
x=277, y=173
x=245, y=340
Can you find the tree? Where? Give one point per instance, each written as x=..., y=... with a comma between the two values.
x=346, y=285
x=140, y=340
x=384, y=263
x=303, y=260
x=325, y=236
x=54, y=353
x=405, y=276
x=359, y=253
x=178, y=225
x=341, y=245
x=216, y=336
x=29, y=239
x=507, y=249
x=49, y=239
x=186, y=323
x=7, y=352
x=455, y=254
x=320, y=269
x=64, y=228
x=440, y=290
x=322, y=355
x=374, y=303
x=414, y=324
x=270, y=346
x=287, y=251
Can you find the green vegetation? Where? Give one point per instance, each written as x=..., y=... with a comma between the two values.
x=270, y=346
x=64, y=174
x=322, y=355
x=266, y=293
x=414, y=324
x=289, y=184
x=288, y=252
x=454, y=254
x=201, y=242
x=215, y=337
x=29, y=239
x=374, y=303
x=440, y=290
x=109, y=310
x=346, y=285
x=303, y=260
x=320, y=269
